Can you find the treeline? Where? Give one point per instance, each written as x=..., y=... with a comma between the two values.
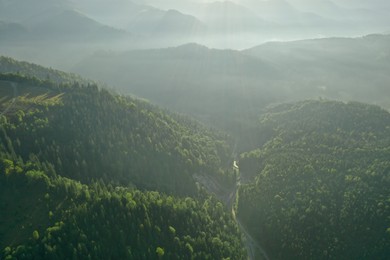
x=58, y=218
x=321, y=188
x=87, y=134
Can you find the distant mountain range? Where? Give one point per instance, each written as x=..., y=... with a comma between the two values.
x=11, y=31
x=55, y=20
x=216, y=86
x=100, y=39
x=186, y=21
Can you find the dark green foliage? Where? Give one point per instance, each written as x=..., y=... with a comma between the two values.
x=322, y=184
x=87, y=134
x=55, y=137
x=63, y=219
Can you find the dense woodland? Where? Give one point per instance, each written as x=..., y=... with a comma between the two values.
x=321, y=187
x=58, y=218
x=90, y=134
x=89, y=174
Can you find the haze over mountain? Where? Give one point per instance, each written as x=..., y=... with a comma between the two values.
x=225, y=87
x=194, y=129
x=329, y=17
x=92, y=25
x=318, y=166
x=47, y=26
x=42, y=140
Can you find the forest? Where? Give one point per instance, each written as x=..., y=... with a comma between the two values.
x=88, y=134
x=320, y=185
x=53, y=217
x=90, y=174
x=87, y=173
x=195, y=129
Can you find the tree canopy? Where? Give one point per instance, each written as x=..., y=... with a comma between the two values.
x=321, y=187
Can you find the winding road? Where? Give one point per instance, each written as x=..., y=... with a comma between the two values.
x=251, y=245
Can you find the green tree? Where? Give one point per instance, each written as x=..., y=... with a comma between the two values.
x=160, y=252
x=35, y=235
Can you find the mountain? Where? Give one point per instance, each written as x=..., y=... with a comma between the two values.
x=72, y=26
x=299, y=18
x=82, y=27
x=141, y=18
x=176, y=22
x=88, y=173
x=241, y=23
x=370, y=18
x=220, y=87
x=55, y=19
x=115, y=13
x=19, y=11
x=321, y=182
x=35, y=32
x=165, y=23
x=346, y=68
x=229, y=89
x=88, y=134
x=59, y=27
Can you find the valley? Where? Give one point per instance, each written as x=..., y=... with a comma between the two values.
x=194, y=129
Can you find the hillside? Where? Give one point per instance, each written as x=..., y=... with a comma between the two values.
x=320, y=187
x=175, y=23
x=10, y=65
x=57, y=218
x=337, y=68
x=20, y=10
x=230, y=89
x=89, y=134
x=89, y=174
x=73, y=27
x=223, y=88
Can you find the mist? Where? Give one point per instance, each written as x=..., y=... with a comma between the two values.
x=194, y=129
x=269, y=52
